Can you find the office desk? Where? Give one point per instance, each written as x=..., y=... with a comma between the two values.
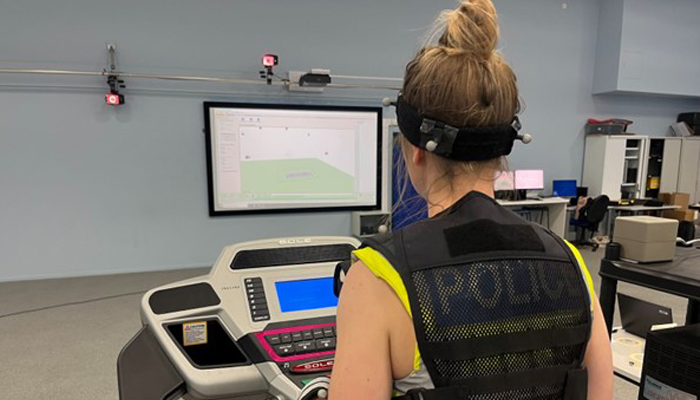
x=638, y=209
x=633, y=210
x=680, y=277
x=556, y=207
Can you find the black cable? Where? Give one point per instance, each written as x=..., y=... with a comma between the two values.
x=70, y=304
x=280, y=78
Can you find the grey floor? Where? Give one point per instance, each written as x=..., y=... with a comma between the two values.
x=69, y=352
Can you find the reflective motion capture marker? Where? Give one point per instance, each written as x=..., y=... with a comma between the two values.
x=526, y=138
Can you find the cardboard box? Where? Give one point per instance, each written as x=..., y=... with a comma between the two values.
x=675, y=199
x=646, y=239
x=680, y=215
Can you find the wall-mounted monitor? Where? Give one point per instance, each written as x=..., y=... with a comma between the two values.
x=282, y=158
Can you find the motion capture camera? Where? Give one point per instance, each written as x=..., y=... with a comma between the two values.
x=268, y=62
x=113, y=98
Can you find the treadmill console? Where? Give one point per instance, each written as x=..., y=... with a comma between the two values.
x=262, y=323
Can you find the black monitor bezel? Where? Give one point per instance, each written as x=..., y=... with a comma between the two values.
x=208, y=105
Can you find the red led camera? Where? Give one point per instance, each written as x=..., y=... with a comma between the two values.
x=114, y=99
x=269, y=60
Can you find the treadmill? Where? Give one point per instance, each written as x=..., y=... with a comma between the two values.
x=259, y=326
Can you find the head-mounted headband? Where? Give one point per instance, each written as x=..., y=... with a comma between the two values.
x=463, y=143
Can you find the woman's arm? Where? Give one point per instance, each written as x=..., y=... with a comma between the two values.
x=598, y=358
x=362, y=368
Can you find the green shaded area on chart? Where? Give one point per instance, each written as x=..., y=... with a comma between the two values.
x=304, y=176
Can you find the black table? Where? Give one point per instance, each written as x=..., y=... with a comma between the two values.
x=680, y=277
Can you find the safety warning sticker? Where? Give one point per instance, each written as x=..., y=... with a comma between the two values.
x=655, y=390
x=194, y=333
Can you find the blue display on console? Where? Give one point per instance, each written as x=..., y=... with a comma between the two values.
x=307, y=294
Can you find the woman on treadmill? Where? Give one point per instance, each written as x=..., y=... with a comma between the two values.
x=474, y=302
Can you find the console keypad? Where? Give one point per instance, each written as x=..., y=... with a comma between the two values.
x=303, y=341
x=255, y=293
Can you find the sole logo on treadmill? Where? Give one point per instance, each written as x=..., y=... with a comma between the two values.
x=313, y=366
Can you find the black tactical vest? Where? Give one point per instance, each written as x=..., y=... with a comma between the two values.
x=500, y=306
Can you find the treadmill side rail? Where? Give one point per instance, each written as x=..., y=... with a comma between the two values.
x=145, y=372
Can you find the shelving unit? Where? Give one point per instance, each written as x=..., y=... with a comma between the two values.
x=662, y=166
x=631, y=166
x=631, y=184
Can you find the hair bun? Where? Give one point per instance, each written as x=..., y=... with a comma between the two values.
x=471, y=28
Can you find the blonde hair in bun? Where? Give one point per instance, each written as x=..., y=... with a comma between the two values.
x=462, y=79
x=472, y=28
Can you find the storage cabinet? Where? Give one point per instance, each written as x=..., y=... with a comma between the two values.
x=613, y=165
x=689, y=167
x=626, y=166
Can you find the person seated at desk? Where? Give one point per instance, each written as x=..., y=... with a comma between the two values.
x=587, y=217
x=448, y=308
x=582, y=205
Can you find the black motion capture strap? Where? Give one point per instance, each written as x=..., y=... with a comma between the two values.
x=464, y=144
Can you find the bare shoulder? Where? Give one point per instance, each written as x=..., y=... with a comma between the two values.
x=362, y=368
x=362, y=290
x=368, y=303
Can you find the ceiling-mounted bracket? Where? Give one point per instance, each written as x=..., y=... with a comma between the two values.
x=112, y=53
x=113, y=98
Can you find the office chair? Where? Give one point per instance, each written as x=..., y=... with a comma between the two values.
x=590, y=216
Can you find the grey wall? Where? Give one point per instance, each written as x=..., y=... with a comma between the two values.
x=607, y=66
x=660, y=47
x=87, y=189
x=647, y=46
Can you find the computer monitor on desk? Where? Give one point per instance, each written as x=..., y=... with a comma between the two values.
x=529, y=180
x=564, y=188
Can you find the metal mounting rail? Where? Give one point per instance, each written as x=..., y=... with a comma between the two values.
x=192, y=78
